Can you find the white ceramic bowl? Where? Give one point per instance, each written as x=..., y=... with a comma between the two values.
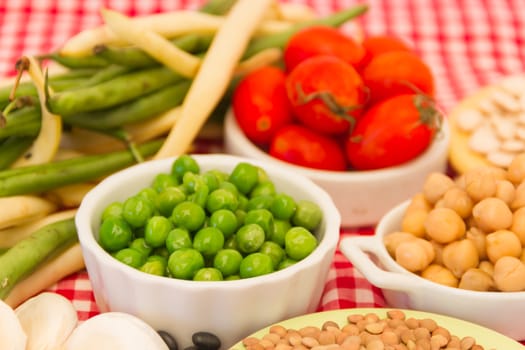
x=362, y=197
x=229, y=309
x=502, y=312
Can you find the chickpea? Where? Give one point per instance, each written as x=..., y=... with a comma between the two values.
x=518, y=224
x=438, y=252
x=459, y=256
x=519, y=199
x=458, y=200
x=480, y=183
x=412, y=255
x=444, y=225
x=505, y=191
x=509, y=274
x=502, y=243
x=516, y=169
x=486, y=266
x=418, y=201
x=478, y=237
x=440, y=274
x=414, y=221
x=491, y=214
x=394, y=239
x=522, y=256
x=435, y=185
x=476, y=279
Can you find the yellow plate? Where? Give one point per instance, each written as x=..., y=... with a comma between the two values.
x=489, y=339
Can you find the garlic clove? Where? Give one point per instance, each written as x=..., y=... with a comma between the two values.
x=47, y=319
x=12, y=335
x=115, y=331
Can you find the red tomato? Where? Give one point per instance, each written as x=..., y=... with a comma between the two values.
x=260, y=104
x=378, y=44
x=326, y=93
x=395, y=73
x=321, y=40
x=299, y=145
x=393, y=132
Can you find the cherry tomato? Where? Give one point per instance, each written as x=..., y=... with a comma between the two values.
x=321, y=40
x=326, y=93
x=377, y=44
x=393, y=132
x=395, y=73
x=299, y=145
x=260, y=104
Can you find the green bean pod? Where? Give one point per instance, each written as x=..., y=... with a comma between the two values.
x=135, y=57
x=44, y=177
x=77, y=62
x=12, y=148
x=104, y=74
x=279, y=40
x=22, y=122
x=121, y=89
x=143, y=108
x=25, y=256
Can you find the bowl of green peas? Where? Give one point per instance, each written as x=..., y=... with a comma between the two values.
x=208, y=243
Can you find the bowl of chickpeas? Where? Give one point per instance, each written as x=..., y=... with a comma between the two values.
x=207, y=244
x=456, y=248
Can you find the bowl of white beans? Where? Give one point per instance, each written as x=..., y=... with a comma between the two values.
x=455, y=248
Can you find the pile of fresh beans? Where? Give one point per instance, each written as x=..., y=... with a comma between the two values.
x=364, y=331
x=467, y=232
x=210, y=226
x=200, y=341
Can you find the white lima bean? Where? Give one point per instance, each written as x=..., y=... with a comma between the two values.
x=496, y=123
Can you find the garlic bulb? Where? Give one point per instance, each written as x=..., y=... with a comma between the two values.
x=47, y=319
x=12, y=335
x=115, y=331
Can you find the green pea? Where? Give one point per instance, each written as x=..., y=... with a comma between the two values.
x=161, y=251
x=130, y=257
x=243, y=201
x=221, y=199
x=307, y=214
x=231, y=243
x=220, y=175
x=255, y=264
x=157, y=229
x=261, y=217
x=184, y=163
x=139, y=244
x=262, y=174
x=154, y=267
x=211, y=180
x=178, y=238
x=163, y=181
x=168, y=199
x=137, y=210
x=280, y=227
x=286, y=262
x=163, y=259
x=299, y=242
x=113, y=209
x=274, y=250
x=283, y=206
x=188, y=215
x=184, y=263
x=225, y=220
x=208, y=274
x=244, y=176
x=227, y=261
x=200, y=196
x=232, y=278
x=265, y=188
x=115, y=234
x=259, y=202
x=149, y=194
x=208, y=241
x=240, y=214
x=250, y=238
x=191, y=180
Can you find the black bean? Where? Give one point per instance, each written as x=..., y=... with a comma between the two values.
x=206, y=340
x=169, y=340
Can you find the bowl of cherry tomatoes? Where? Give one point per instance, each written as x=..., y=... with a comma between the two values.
x=357, y=117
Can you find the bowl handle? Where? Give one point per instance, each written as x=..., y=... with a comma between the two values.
x=356, y=248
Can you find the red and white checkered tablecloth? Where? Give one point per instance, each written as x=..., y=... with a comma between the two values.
x=467, y=43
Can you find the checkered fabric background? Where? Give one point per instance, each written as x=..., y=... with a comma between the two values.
x=467, y=43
